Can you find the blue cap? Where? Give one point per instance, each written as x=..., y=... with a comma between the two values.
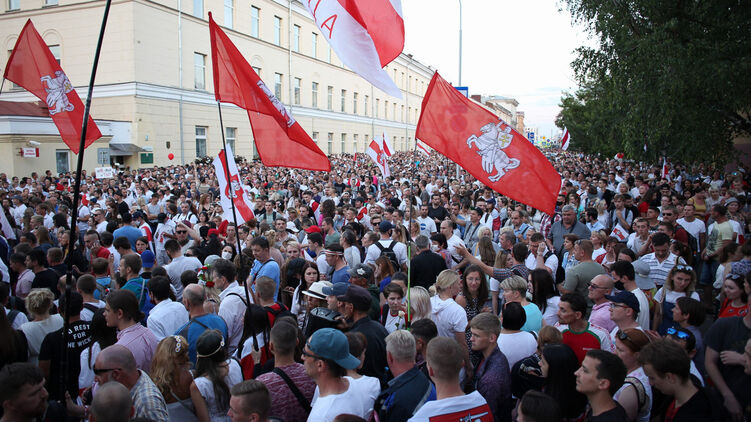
x=627, y=298
x=339, y=289
x=147, y=259
x=385, y=226
x=332, y=344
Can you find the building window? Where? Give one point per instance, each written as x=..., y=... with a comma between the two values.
x=50, y=2
x=365, y=106
x=313, y=45
x=14, y=4
x=331, y=142
x=230, y=136
x=315, y=137
x=377, y=104
x=55, y=50
x=403, y=146
x=254, y=17
x=393, y=116
x=330, y=98
x=354, y=103
x=229, y=10
x=277, y=30
x=257, y=70
x=402, y=114
x=297, y=90
x=296, y=38
x=314, y=95
x=394, y=143
x=354, y=142
x=198, y=8
x=386, y=110
x=200, y=141
x=344, y=98
x=278, y=85
x=62, y=160
x=344, y=143
x=199, y=67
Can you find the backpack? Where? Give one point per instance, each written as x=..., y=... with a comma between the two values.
x=692, y=241
x=389, y=253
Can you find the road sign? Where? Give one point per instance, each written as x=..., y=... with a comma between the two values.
x=463, y=89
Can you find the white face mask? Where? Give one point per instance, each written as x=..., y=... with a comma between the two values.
x=434, y=247
x=227, y=255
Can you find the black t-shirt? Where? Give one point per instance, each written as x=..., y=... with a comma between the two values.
x=51, y=349
x=731, y=334
x=439, y=213
x=616, y=414
x=46, y=278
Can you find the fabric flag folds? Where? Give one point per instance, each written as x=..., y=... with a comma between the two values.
x=32, y=66
x=385, y=144
x=365, y=34
x=423, y=149
x=232, y=191
x=280, y=140
x=565, y=139
x=7, y=229
x=486, y=147
x=665, y=169
x=377, y=153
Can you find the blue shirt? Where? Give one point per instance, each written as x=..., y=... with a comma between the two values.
x=196, y=326
x=138, y=287
x=269, y=269
x=105, y=283
x=130, y=232
x=522, y=231
x=340, y=276
x=534, y=318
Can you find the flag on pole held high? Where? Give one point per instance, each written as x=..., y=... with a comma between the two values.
x=234, y=190
x=385, y=144
x=423, y=149
x=380, y=158
x=665, y=169
x=280, y=140
x=565, y=138
x=365, y=34
x=32, y=66
x=486, y=147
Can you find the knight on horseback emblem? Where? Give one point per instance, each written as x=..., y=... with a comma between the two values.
x=490, y=145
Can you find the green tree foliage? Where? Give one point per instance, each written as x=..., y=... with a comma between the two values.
x=675, y=75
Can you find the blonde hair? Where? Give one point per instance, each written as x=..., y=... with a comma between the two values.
x=515, y=283
x=501, y=259
x=446, y=279
x=669, y=285
x=419, y=301
x=39, y=301
x=548, y=335
x=171, y=352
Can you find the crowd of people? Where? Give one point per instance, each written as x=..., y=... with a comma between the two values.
x=422, y=296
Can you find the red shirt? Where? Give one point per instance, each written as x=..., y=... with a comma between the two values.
x=728, y=310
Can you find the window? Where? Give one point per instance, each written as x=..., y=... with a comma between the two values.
x=199, y=68
x=313, y=45
x=354, y=103
x=257, y=70
x=331, y=142
x=344, y=143
x=230, y=136
x=402, y=113
x=314, y=95
x=254, y=17
x=297, y=90
x=354, y=142
x=296, y=38
x=62, y=160
x=365, y=106
x=228, y=13
x=409, y=115
x=315, y=137
x=394, y=143
x=403, y=146
x=198, y=8
x=377, y=104
x=393, y=116
x=409, y=83
x=55, y=50
x=330, y=98
x=278, y=85
x=14, y=4
x=344, y=98
x=201, y=141
x=386, y=110
x=277, y=30
x=50, y=3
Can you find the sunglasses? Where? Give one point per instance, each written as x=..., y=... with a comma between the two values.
x=311, y=355
x=680, y=334
x=181, y=232
x=684, y=268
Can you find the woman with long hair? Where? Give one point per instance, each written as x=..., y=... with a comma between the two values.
x=209, y=390
x=38, y=304
x=419, y=304
x=681, y=281
x=558, y=365
x=170, y=372
x=102, y=337
x=291, y=275
x=544, y=295
x=485, y=248
x=728, y=254
x=310, y=275
x=142, y=244
x=384, y=269
x=474, y=299
x=636, y=393
x=352, y=255
x=253, y=349
x=735, y=302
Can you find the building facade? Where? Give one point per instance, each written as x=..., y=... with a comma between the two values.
x=154, y=87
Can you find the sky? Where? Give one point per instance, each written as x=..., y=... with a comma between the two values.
x=521, y=49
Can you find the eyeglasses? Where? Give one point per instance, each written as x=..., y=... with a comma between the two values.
x=311, y=355
x=680, y=334
x=734, y=277
x=100, y=371
x=622, y=336
x=618, y=305
x=181, y=232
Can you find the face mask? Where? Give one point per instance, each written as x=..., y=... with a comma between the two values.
x=434, y=248
x=227, y=255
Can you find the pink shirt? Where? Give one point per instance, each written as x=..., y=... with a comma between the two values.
x=600, y=316
x=141, y=342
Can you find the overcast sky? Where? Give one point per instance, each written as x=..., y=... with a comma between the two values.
x=520, y=49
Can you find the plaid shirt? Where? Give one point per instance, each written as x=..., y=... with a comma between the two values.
x=546, y=222
x=501, y=274
x=147, y=400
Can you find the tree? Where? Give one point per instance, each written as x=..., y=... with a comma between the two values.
x=671, y=75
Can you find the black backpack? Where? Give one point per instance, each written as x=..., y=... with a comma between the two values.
x=389, y=253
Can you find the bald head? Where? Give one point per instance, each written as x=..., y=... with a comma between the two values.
x=117, y=356
x=604, y=280
x=194, y=294
x=600, y=286
x=112, y=403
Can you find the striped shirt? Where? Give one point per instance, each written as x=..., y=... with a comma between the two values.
x=658, y=271
x=148, y=402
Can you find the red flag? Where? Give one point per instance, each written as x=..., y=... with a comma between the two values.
x=32, y=66
x=486, y=147
x=280, y=140
x=564, y=139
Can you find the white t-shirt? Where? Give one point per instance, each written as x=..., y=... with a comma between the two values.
x=86, y=313
x=643, y=318
x=671, y=295
x=400, y=250
x=472, y=407
x=550, y=316
x=517, y=346
x=695, y=227
x=325, y=409
x=427, y=226
x=367, y=388
x=449, y=317
x=551, y=262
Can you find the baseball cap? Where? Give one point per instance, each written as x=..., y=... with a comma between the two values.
x=147, y=259
x=358, y=296
x=316, y=289
x=361, y=271
x=627, y=298
x=641, y=275
x=332, y=344
x=337, y=289
x=139, y=214
x=291, y=227
x=385, y=226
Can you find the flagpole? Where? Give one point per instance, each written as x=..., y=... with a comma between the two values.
x=1, y=86
x=73, y=238
x=229, y=186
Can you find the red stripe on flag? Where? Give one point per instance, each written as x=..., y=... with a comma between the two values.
x=382, y=22
x=239, y=195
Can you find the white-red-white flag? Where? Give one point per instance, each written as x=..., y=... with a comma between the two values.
x=385, y=144
x=365, y=34
x=6, y=227
x=232, y=191
x=665, y=168
x=376, y=152
x=565, y=139
x=423, y=149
